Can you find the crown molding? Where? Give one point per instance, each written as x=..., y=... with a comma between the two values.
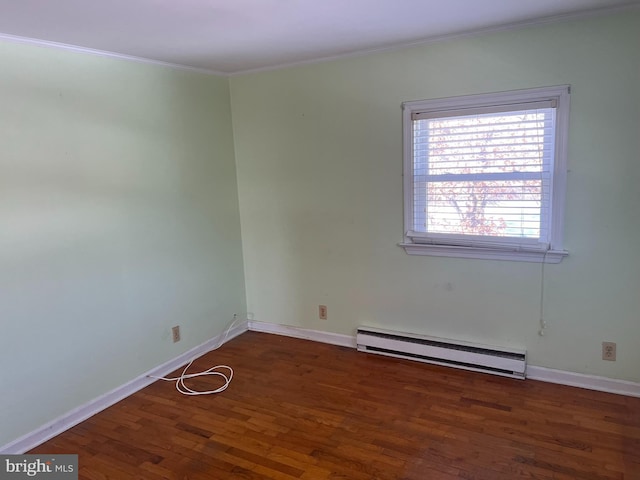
x=103, y=53
x=386, y=49
x=445, y=38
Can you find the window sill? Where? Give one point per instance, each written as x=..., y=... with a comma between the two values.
x=550, y=256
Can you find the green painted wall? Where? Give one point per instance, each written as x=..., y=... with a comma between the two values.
x=119, y=211
x=319, y=159
x=118, y=219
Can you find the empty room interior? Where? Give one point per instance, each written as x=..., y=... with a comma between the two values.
x=285, y=208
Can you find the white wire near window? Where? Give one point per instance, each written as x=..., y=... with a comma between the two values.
x=485, y=175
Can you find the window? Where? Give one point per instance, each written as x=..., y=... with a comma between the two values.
x=484, y=175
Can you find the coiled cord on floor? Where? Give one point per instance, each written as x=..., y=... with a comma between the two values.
x=226, y=374
x=183, y=389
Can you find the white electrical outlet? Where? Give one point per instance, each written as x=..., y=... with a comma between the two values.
x=609, y=351
x=175, y=332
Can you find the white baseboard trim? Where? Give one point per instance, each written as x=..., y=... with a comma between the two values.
x=83, y=412
x=591, y=382
x=299, y=332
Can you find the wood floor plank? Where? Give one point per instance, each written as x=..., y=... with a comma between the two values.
x=302, y=410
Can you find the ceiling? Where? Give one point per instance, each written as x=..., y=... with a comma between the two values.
x=231, y=36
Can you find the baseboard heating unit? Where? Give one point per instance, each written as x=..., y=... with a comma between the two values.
x=507, y=362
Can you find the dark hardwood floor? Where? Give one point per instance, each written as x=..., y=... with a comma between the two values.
x=303, y=410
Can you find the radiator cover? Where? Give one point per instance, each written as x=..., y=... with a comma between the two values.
x=507, y=362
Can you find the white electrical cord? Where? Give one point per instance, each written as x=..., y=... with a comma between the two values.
x=213, y=371
x=543, y=321
x=183, y=389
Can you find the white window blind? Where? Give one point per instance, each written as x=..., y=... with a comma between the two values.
x=483, y=175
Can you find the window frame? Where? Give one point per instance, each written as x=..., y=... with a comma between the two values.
x=487, y=247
